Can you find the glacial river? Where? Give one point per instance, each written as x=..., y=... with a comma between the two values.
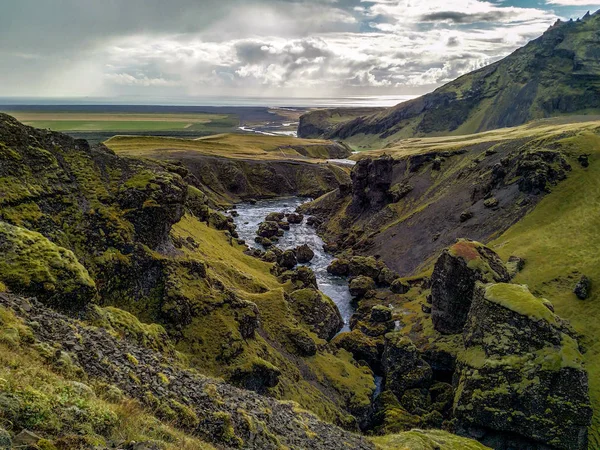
x=250, y=216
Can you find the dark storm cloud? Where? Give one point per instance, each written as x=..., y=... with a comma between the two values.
x=465, y=18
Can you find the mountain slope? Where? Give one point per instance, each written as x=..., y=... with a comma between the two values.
x=556, y=74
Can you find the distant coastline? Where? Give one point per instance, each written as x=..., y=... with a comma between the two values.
x=271, y=102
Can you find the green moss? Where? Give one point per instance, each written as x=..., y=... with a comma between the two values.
x=33, y=265
x=126, y=325
x=226, y=431
x=426, y=440
x=354, y=383
x=132, y=359
x=517, y=298
x=186, y=417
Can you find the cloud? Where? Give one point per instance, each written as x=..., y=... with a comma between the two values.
x=253, y=47
x=573, y=2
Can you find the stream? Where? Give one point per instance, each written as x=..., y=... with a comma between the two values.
x=251, y=215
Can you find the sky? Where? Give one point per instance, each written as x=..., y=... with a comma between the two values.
x=157, y=49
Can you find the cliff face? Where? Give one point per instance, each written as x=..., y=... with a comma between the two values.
x=408, y=207
x=556, y=74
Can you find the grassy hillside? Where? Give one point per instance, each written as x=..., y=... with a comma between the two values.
x=556, y=74
x=559, y=240
x=238, y=146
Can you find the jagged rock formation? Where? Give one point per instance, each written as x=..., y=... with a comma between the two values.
x=521, y=372
x=453, y=281
x=371, y=181
x=557, y=73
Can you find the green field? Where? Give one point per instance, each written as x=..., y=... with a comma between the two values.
x=120, y=123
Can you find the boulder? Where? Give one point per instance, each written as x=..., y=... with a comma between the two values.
x=359, y=286
x=284, y=226
x=403, y=367
x=265, y=242
x=304, y=254
x=386, y=277
x=269, y=256
x=454, y=276
x=255, y=375
x=380, y=313
x=317, y=311
x=491, y=202
x=364, y=266
x=295, y=218
x=287, y=259
x=303, y=344
x=466, y=215
x=275, y=217
x=339, y=267
x=302, y=277
x=362, y=347
x=25, y=439
x=268, y=229
x=582, y=288
x=400, y=286
x=521, y=373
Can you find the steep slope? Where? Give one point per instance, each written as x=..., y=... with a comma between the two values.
x=80, y=225
x=58, y=383
x=406, y=206
x=556, y=74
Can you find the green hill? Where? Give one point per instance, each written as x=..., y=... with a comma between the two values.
x=556, y=74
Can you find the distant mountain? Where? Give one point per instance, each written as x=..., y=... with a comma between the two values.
x=556, y=74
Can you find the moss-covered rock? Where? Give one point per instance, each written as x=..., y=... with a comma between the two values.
x=287, y=259
x=400, y=286
x=455, y=274
x=359, y=286
x=364, y=266
x=521, y=371
x=32, y=265
x=268, y=229
x=362, y=347
x=256, y=375
x=304, y=254
x=403, y=366
x=317, y=311
x=339, y=267
x=381, y=313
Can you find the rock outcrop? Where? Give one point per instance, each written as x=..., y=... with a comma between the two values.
x=456, y=272
x=521, y=373
x=371, y=181
x=317, y=311
x=34, y=266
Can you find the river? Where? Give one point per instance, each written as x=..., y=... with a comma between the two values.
x=251, y=215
